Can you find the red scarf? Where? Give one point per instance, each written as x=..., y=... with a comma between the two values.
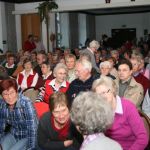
x=63, y=132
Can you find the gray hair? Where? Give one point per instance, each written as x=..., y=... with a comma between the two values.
x=85, y=56
x=91, y=112
x=94, y=44
x=85, y=63
x=105, y=63
x=60, y=66
x=106, y=81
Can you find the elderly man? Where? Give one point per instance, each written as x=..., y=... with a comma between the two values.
x=84, y=79
x=126, y=85
x=93, y=47
x=138, y=76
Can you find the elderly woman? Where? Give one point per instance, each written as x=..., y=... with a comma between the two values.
x=55, y=130
x=18, y=121
x=59, y=83
x=128, y=128
x=105, y=68
x=92, y=115
x=27, y=78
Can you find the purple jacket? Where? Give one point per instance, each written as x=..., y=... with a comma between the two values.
x=128, y=127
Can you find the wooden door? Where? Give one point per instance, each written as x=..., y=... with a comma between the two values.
x=30, y=24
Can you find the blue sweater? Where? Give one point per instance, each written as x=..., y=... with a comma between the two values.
x=78, y=86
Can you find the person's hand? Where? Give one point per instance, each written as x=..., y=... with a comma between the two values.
x=68, y=143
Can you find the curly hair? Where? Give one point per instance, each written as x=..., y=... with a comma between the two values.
x=91, y=113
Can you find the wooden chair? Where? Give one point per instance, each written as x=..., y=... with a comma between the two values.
x=146, y=121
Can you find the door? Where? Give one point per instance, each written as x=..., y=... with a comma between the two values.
x=120, y=36
x=30, y=24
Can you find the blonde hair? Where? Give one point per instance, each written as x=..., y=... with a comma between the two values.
x=106, y=81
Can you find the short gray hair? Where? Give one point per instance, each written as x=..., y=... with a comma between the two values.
x=105, y=63
x=106, y=81
x=60, y=66
x=85, y=63
x=92, y=113
x=94, y=44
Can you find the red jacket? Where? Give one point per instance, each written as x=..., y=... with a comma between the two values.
x=29, y=46
x=29, y=79
x=50, y=90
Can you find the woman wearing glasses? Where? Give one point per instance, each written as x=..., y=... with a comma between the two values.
x=18, y=121
x=128, y=128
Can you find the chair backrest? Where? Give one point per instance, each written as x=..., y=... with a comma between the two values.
x=31, y=93
x=146, y=121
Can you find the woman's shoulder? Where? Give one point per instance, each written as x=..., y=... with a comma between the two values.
x=128, y=106
x=103, y=142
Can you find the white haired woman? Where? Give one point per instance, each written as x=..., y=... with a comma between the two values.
x=105, y=69
x=59, y=83
x=128, y=128
x=92, y=115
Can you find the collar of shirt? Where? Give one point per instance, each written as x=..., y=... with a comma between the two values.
x=12, y=66
x=90, y=138
x=136, y=74
x=119, y=109
x=52, y=83
x=46, y=76
x=90, y=50
x=30, y=73
x=126, y=81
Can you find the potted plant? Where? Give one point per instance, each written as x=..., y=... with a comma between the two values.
x=44, y=9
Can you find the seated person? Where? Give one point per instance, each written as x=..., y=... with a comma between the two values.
x=113, y=70
x=92, y=116
x=59, y=83
x=27, y=78
x=128, y=128
x=18, y=121
x=146, y=103
x=46, y=75
x=105, y=68
x=127, y=87
x=10, y=65
x=137, y=74
x=70, y=61
x=55, y=130
x=41, y=57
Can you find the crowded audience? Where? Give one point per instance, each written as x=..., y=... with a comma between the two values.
x=105, y=88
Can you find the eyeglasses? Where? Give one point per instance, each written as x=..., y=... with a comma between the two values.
x=105, y=92
x=8, y=94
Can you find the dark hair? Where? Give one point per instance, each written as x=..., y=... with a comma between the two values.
x=26, y=60
x=126, y=62
x=10, y=55
x=46, y=63
x=34, y=52
x=8, y=83
x=30, y=35
x=111, y=58
x=58, y=98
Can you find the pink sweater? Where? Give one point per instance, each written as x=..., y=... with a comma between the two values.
x=128, y=128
